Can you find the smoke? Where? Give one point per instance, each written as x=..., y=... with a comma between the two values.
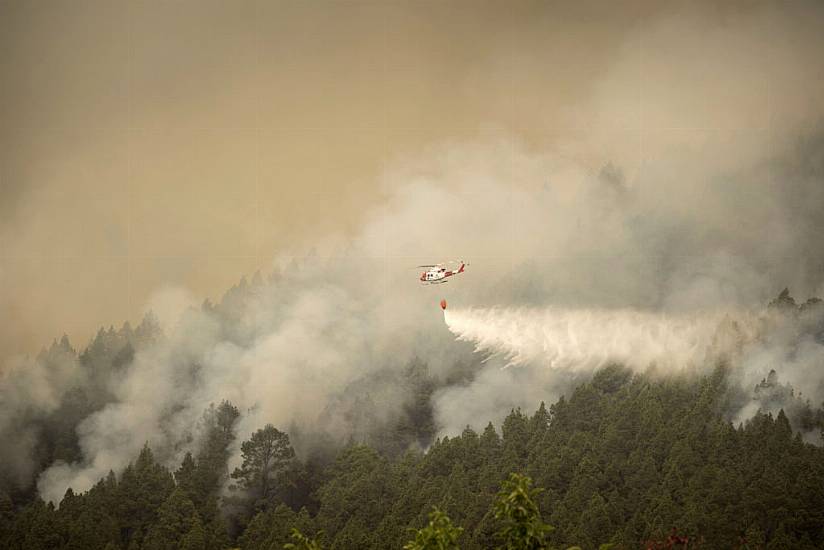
x=29, y=390
x=281, y=350
x=594, y=250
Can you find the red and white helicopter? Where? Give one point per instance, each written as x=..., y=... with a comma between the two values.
x=438, y=273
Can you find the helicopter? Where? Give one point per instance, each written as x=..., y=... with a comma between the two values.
x=438, y=273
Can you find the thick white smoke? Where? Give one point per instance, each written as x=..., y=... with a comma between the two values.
x=283, y=352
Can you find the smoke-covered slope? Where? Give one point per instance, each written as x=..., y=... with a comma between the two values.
x=636, y=460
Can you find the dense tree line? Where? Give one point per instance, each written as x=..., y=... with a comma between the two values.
x=629, y=460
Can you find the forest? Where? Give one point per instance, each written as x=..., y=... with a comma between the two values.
x=623, y=460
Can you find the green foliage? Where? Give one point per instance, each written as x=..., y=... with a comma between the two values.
x=439, y=534
x=209, y=472
x=143, y=488
x=271, y=528
x=196, y=538
x=302, y=542
x=186, y=476
x=266, y=458
x=517, y=510
x=176, y=519
x=352, y=499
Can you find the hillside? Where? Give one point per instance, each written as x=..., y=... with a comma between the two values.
x=627, y=459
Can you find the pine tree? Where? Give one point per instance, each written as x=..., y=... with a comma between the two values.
x=175, y=519
x=196, y=538
x=268, y=529
x=144, y=486
x=266, y=457
x=185, y=476
x=211, y=460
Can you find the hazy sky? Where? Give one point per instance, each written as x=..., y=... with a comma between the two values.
x=145, y=144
